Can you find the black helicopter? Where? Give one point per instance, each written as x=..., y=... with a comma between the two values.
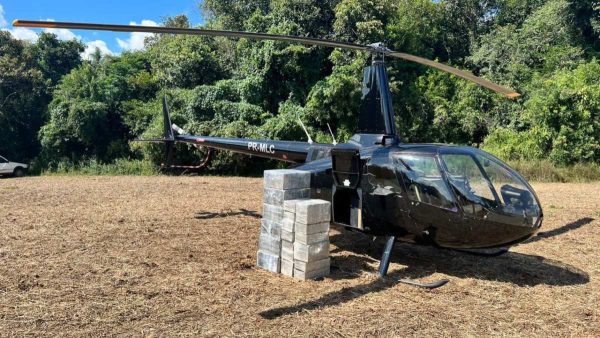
x=452, y=197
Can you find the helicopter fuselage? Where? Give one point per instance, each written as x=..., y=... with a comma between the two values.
x=443, y=195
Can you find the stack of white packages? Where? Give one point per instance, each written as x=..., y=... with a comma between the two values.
x=287, y=237
x=305, y=239
x=279, y=186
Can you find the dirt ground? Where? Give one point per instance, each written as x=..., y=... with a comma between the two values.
x=167, y=256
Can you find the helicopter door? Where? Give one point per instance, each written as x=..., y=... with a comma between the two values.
x=346, y=194
x=430, y=199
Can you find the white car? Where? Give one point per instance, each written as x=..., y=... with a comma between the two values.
x=12, y=168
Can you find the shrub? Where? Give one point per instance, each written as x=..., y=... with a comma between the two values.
x=94, y=168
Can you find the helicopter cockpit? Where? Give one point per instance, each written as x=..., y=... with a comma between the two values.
x=467, y=181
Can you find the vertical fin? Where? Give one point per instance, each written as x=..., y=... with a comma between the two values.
x=168, y=134
x=168, y=130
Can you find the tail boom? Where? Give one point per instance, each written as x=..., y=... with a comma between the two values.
x=287, y=151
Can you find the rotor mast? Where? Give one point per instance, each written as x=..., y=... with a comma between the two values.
x=376, y=115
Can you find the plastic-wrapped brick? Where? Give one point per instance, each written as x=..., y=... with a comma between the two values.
x=278, y=196
x=290, y=205
x=310, y=238
x=287, y=267
x=288, y=225
x=313, y=211
x=287, y=179
x=309, y=229
x=287, y=235
x=304, y=275
x=311, y=252
x=287, y=250
x=270, y=227
x=268, y=261
x=313, y=266
x=269, y=243
x=273, y=213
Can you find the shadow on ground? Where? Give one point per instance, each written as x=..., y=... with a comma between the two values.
x=421, y=261
x=227, y=213
x=562, y=230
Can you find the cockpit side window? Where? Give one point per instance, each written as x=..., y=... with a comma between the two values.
x=473, y=190
x=423, y=180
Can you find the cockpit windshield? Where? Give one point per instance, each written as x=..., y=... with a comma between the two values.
x=483, y=184
x=472, y=179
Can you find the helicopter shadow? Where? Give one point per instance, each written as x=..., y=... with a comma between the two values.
x=520, y=269
x=227, y=213
x=422, y=261
x=562, y=230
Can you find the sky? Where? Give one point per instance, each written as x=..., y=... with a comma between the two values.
x=133, y=12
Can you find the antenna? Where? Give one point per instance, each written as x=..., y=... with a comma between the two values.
x=332, y=136
x=310, y=141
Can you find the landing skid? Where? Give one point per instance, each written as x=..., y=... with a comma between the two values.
x=431, y=285
x=385, y=264
x=484, y=252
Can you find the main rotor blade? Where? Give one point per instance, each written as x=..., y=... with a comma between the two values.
x=262, y=36
x=460, y=73
x=186, y=31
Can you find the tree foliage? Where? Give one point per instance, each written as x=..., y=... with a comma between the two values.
x=28, y=74
x=546, y=49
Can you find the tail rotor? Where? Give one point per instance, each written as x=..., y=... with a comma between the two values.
x=169, y=139
x=168, y=136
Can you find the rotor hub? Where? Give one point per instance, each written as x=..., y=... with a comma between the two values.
x=378, y=51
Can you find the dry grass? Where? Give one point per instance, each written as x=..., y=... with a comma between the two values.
x=145, y=256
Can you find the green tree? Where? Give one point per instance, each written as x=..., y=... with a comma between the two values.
x=55, y=58
x=562, y=117
x=28, y=73
x=233, y=14
x=567, y=106
x=511, y=54
x=183, y=61
x=22, y=100
x=545, y=49
x=87, y=112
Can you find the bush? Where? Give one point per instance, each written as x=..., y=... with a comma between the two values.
x=546, y=171
x=567, y=106
x=512, y=145
x=94, y=168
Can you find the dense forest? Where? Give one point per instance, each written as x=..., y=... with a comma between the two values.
x=56, y=107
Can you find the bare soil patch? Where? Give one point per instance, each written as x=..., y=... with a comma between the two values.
x=166, y=256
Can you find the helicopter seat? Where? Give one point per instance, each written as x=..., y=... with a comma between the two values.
x=515, y=197
x=426, y=189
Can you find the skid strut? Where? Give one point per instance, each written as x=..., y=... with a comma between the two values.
x=385, y=258
x=385, y=264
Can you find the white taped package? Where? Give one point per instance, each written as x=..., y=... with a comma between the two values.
x=286, y=179
x=268, y=261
